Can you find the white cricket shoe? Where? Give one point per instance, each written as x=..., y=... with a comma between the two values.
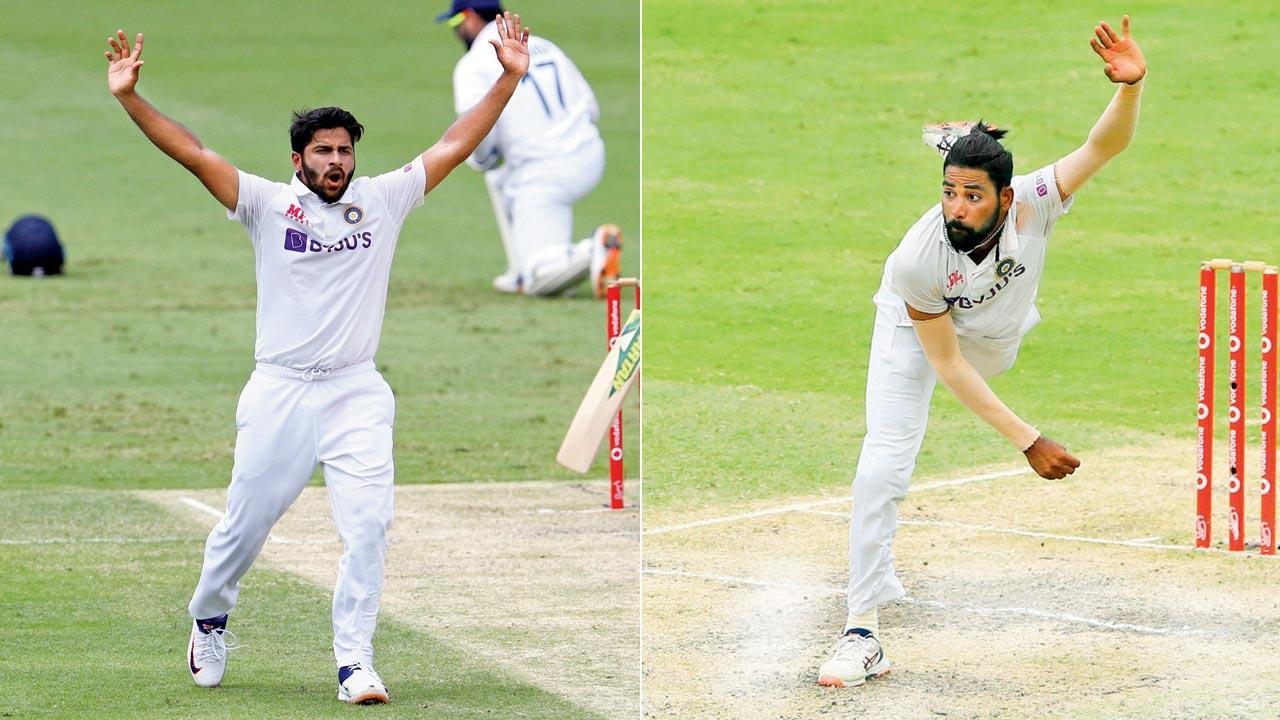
x=362, y=687
x=507, y=282
x=207, y=654
x=856, y=660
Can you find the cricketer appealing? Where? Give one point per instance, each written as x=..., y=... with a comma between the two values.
x=323, y=245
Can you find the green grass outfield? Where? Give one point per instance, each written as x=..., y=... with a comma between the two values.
x=125, y=373
x=95, y=626
x=773, y=201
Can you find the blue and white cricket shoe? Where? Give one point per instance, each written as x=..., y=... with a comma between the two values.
x=360, y=685
x=207, y=651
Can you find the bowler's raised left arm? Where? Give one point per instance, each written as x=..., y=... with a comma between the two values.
x=1126, y=67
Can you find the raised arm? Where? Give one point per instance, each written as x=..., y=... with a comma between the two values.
x=1125, y=66
x=218, y=175
x=465, y=134
x=937, y=335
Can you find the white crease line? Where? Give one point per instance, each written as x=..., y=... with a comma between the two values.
x=1143, y=543
x=103, y=540
x=1062, y=617
x=271, y=537
x=1021, y=533
x=745, y=516
x=1027, y=612
x=926, y=487
x=744, y=581
x=976, y=478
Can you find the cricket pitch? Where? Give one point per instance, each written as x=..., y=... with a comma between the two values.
x=1080, y=598
x=537, y=579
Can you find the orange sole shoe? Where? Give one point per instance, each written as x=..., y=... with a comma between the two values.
x=610, y=236
x=837, y=682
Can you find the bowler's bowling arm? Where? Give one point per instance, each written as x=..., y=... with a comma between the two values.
x=937, y=335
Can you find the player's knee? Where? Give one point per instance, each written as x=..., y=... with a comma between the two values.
x=886, y=459
x=366, y=529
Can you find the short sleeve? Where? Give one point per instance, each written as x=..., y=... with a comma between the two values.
x=917, y=283
x=253, y=197
x=1038, y=191
x=402, y=189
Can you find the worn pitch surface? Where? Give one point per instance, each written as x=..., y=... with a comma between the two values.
x=1029, y=598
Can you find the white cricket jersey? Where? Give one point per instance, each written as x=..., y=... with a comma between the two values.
x=552, y=113
x=992, y=301
x=323, y=269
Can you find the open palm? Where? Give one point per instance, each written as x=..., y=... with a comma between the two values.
x=123, y=63
x=1123, y=57
x=512, y=45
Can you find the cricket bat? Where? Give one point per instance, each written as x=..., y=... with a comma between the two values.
x=620, y=369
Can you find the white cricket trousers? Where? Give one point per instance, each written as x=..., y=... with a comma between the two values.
x=538, y=197
x=900, y=385
x=286, y=424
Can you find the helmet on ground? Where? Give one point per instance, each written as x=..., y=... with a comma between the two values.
x=31, y=246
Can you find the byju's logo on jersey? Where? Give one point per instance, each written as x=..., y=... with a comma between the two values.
x=965, y=303
x=295, y=240
x=298, y=241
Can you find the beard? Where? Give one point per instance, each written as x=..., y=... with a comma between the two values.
x=965, y=239
x=319, y=183
x=467, y=38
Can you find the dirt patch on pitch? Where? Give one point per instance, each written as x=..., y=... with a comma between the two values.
x=1015, y=615
x=538, y=579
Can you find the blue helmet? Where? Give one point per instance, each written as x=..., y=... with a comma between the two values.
x=458, y=6
x=31, y=246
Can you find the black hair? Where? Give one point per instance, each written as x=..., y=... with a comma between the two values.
x=307, y=121
x=981, y=150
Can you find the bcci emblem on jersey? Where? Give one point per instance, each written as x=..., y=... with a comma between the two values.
x=1005, y=266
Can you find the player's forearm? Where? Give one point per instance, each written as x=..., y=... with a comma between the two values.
x=1115, y=129
x=485, y=157
x=470, y=129
x=173, y=140
x=973, y=391
x=941, y=346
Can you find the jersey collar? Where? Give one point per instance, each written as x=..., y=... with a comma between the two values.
x=300, y=188
x=1009, y=236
